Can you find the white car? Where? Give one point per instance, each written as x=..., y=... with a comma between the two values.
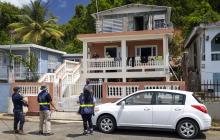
x=155, y=109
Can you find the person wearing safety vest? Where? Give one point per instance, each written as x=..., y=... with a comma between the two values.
x=87, y=104
x=19, y=115
x=45, y=100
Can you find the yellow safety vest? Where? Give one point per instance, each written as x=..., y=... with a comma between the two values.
x=44, y=103
x=86, y=105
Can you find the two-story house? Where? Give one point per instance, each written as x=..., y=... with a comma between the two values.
x=202, y=58
x=131, y=44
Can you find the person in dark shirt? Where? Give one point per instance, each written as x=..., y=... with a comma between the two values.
x=19, y=116
x=44, y=99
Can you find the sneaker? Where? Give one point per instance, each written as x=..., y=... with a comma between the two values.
x=48, y=134
x=40, y=133
x=21, y=132
x=16, y=131
x=85, y=132
x=90, y=131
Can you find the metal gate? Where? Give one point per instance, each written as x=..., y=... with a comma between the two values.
x=71, y=92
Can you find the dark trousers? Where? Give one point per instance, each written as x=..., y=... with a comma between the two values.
x=87, y=118
x=19, y=117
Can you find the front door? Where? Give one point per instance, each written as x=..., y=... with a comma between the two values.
x=137, y=110
x=111, y=52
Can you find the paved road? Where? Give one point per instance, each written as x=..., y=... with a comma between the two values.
x=72, y=131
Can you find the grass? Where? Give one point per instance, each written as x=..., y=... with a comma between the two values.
x=215, y=123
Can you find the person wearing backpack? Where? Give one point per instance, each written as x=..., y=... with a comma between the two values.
x=86, y=110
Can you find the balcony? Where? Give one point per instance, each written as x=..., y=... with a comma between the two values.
x=134, y=67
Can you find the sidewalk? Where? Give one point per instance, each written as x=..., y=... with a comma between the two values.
x=57, y=117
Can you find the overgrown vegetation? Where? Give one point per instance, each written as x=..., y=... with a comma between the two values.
x=185, y=15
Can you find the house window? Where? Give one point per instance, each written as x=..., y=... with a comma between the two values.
x=216, y=43
x=18, y=66
x=217, y=40
x=215, y=48
x=216, y=77
x=160, y=23
x=146, y=51
x=52, y=63
x=215, y=56
x=202, y=41
x=139, y=23
x=113, y=25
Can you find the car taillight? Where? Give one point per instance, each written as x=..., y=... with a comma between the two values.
x=200, y=108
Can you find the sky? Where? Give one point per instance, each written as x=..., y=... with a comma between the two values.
x=63, y=9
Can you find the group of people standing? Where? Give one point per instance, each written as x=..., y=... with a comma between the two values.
x=46, y=105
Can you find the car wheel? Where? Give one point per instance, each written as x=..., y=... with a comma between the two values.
x=106, y=124
x=187, y=129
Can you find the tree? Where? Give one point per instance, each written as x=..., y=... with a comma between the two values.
x=203, y=13
x=7, y=16
x=33, y=27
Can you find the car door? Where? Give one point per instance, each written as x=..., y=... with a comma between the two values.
x=137, y=110
x=177, y=108
x=162, y=110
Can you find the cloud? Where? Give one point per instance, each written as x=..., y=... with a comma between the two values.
x=20, y=3
x=63, y=3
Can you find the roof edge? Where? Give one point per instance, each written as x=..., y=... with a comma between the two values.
x=35, y=46
x=156, y=31
x=128, y=5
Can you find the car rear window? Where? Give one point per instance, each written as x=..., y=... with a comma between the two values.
x=197, y=99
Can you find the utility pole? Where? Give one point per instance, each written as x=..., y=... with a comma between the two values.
x=10, y=67
x=98, y=23
x=10, y=75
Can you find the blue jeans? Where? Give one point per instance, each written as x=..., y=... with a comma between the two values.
x=19, y=117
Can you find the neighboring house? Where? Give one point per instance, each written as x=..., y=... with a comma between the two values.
x=73, y=57
x=48, y=60
x=131, y=44
x=202, y=58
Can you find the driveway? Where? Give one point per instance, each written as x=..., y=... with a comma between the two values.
x=72, y=131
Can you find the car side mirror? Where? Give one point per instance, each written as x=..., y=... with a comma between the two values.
x=122, y=103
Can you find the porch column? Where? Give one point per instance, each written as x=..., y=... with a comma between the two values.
x=123, y=56
x=166, y=57
x=85, y=57
x=29, y=60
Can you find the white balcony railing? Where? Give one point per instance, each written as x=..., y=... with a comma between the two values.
x=115, y=64
x=103, y=63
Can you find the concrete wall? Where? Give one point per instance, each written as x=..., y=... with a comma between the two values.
x=213, y=109
x=4, y=94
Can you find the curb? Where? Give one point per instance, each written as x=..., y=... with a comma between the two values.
x=62, y=121
x=215, y=128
